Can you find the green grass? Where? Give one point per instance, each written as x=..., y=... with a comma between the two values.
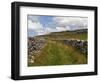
x=66, y=35
x=55, y=53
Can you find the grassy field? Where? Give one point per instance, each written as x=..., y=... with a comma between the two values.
x=57, y=53
x=66, y=35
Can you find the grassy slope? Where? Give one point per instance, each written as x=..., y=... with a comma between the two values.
x=55, y=53
x=66, y=35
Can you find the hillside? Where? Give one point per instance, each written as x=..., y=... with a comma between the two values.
x=77, y=34
x=58, y=48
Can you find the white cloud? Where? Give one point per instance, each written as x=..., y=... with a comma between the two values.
x=34, y=25
x=33, y=18
x=44, y=31
x=61, y=28
x=72, y=22
x=41, y=32
x=38, y=28
x=49, y=29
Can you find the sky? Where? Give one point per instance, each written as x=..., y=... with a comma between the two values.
x=43, y=24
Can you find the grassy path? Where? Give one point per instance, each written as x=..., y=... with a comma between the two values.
x=56, y=53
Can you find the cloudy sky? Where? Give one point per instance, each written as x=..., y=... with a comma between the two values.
x=40, y=25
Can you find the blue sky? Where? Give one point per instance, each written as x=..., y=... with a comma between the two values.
x=45, y=20
x=40, y=25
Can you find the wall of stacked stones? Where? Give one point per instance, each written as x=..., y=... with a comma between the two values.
x=81, y=45
x=35, y=45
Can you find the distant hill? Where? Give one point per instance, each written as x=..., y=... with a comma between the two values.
x=68, y=32
x=74, y=34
